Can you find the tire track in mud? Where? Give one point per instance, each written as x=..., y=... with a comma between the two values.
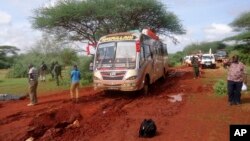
x=119, y=105
x=171, y=83
x=135, y=109
x=99, y=121
x=107, y=111
x=110, y=108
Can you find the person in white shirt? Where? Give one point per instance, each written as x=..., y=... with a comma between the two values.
x=33, y=83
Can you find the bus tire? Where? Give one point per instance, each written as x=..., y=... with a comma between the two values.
x=164, y=75
x=107, y=92
x=145, y=89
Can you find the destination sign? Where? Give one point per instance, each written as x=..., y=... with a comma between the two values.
x=117, y=38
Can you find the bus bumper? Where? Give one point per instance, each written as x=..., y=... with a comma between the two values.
x=122, y=86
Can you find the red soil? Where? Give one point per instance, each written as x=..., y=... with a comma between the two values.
x=117, y=116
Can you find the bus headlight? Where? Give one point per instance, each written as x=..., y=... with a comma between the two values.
x=132, y=78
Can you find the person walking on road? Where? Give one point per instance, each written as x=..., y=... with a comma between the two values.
x=75, y=83
x=236, y=76
x=33, y=83
x=195, y=64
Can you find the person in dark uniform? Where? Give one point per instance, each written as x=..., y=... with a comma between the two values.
x=195, y=64
x=57, y=72
x=52, y=69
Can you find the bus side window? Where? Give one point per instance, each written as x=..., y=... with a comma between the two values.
x=142, y=56
x=161, y=49
x=165, y=49
x=147, y=52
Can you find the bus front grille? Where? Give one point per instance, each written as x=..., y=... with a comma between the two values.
x=113, y=75
x=112, y=78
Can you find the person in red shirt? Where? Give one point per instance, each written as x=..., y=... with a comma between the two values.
x=235, y=78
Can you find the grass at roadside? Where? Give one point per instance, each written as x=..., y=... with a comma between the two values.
x=219, y=76
x=248, y=75
x=215, y=75
x=19, y=86
x=221, y=73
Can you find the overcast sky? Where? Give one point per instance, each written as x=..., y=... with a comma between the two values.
x=204, y=20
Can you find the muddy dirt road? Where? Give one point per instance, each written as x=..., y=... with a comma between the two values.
x=117, y=116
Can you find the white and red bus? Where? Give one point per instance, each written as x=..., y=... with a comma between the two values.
x=129, y=61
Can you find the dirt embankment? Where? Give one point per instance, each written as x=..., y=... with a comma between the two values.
x=117, y=116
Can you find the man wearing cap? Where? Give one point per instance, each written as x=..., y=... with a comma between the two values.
x=33, y=82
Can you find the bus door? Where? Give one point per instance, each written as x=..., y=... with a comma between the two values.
x=160, y=60
x=155, y=64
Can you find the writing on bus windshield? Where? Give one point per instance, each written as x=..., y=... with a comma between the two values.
x=116, y=55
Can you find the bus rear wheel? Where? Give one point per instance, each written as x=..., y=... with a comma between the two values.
x=164, y=75
x=145, y=89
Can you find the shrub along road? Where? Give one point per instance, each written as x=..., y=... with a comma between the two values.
x=183, y=108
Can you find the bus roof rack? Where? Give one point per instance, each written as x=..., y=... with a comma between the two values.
x=150, y=33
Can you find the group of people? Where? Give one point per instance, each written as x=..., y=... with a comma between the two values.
x=33, y=80
x=55, y=71
x=236, y=76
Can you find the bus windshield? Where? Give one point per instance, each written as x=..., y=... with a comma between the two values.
x=116, y=55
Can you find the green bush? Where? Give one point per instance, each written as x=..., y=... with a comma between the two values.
x=175, y=59
x=84, y=82
x=18, y=70
x=20, y=66
x=87, y=75
x=220, y=88
x=66, y=77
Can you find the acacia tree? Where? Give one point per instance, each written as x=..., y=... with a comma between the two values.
x=7, y=54
x=81, y=20
x=242, y=22
x=203, y=47
x=49, y=50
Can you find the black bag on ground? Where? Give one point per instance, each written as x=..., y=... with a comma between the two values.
x=148, y=128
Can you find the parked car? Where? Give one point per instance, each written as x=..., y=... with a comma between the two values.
x=208, y=61
x=220, y=55
x=187, y=59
